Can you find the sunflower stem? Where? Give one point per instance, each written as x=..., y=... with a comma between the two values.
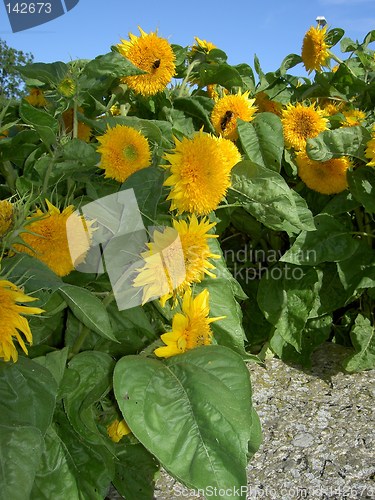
x=9, y=174
x=233, y=205
x=75, y=120
x=151, y=348
x=47, y=176
x=186, y=79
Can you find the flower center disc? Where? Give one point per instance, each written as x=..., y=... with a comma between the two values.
x=130, y=152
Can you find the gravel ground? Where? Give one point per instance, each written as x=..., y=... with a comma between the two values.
x=318, y=429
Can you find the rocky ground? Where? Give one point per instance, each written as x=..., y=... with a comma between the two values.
x=318, y=428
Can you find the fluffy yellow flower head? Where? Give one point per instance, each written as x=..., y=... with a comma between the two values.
x=187, y=237
x=301, y=123
x=228, y=109
x=265, y=104
x=191, y=328
x=36, y=98
x=326, y=177
x=353, y=117
x=117, y=430
x=13, y=323
x=123, y=151
x=315, y=53
x=67, y=87
x=50, y=242
x=200, y=172
x=6, y=216
x=152, y=54
x=370, y=152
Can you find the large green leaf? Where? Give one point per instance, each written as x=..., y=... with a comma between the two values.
x=88, y=309
x=199, y=107
x=223, y=74
x=20, y=453
x=266, y=196
x=45, y=124
x=286, y=295
x=330, y=242
x=95, y=378
x=45, y=72
x=362, y=186
x=358, y=271
x=28, y=394
x=192, y=412
x=262, y=140
x=363, y=338
x=112, y=65
x=135, y=472
x=349, y=141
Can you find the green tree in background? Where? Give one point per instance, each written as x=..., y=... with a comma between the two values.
x=11, y=83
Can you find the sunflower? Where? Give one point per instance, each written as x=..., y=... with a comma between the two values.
x=326, y=177
x=6, y=216
x=301, y=123
x=191, y=328
x=83, y=131
x=330, y=107
x=370, y=152
x=117, y=430
x=152, y=54
x=265, y=104
x=47, y=238
x=315, y=53
x=184, y=254
x=228, y=109
x=12, y=321
x=200, y=172
x=353, y=117
x=36, y=98
x=123, y=151
x=202, y=46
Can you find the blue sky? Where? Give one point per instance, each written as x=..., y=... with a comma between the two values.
x=271, y=29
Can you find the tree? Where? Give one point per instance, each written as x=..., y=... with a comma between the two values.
x=11, y=82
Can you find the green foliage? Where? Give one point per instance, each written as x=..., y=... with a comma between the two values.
x=11, y=82
x=293, y=269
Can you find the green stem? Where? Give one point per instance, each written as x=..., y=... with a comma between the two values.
x=151, y=348
x=47, y=176
x=9, y=174
x=75, y=120
x=361, y=233
x=233, y=205
x=186, y=79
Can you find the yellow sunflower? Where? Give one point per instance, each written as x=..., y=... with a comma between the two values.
x=200, y=172
x=184, y=254
x=330, y=107
x=315, y=49
x=67, y=87
x=202, y=46
x=191, y=328
x=6, y=216
x=83, y=132
x=301, y=123
x=123, y=151
x=152, y=54
x=265, y=104
x=326, y=177
x=47, y=238
x=12, y=321
x=370, y=152
x=228, y=109
x=117, y=430
x=36, y=98
x=353, y=117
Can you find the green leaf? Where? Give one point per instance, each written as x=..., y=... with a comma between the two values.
x=330, y=242
x=262, y=140
x=289, y=61
x=28, y=392
x=45, y=124
x=88, y=309
x=198, y=107
x=348, y=45
x=346, y=141
x=286, y=295
x=54, y=476
x=369, y=38
x=55, y=362
x=95, y=371
x=362, y=185
x=341, y=203
x=358, y=271
x=334, y=35
x=363, y=339
x=20, y=452
x=198, y=402
x=112, y=65
x=46, y=73
x=135, y=472
x=265, y=195
x=79, y=150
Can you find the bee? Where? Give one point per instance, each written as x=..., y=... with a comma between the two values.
x=226, y=119
x=156, y=64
